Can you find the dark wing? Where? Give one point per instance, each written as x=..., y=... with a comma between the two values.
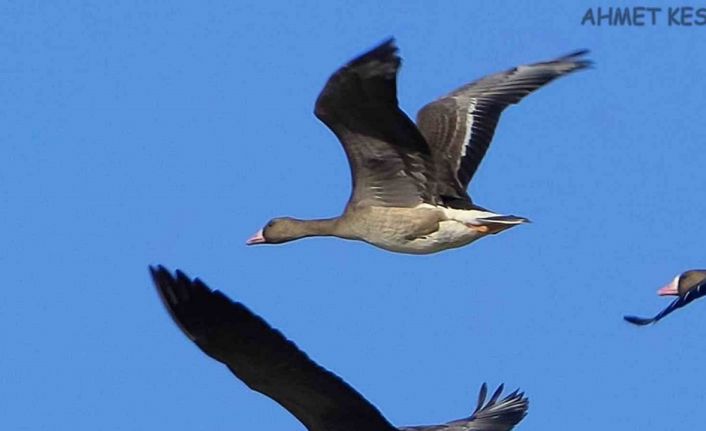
x=693, y=294
x=495, y=415
x=263, y=358
x=460, y=126
x=390, y=162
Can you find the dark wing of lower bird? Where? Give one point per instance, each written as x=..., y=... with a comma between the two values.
x=495, y=415
x=460, y=126
x=678, y=303
x=390, y=161
x=263, y=358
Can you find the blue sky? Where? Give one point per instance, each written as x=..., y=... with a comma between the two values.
x=135, y=134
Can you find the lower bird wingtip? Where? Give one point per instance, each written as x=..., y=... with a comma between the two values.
x=639, y=321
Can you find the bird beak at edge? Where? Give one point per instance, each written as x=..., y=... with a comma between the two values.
x=258, y=238
x=672, y=289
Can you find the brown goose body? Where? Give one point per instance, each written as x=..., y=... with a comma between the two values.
x=269, y=363
x=687, y=287
x=420, y=230
x=409, y=180
x=388, y=228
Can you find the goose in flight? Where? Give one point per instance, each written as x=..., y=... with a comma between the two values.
x=269, y=363
x=687, y=286
x=409, y=181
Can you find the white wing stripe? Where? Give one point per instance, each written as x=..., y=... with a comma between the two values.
x=469, y=128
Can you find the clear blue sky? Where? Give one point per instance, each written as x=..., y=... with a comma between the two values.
x=134, y=134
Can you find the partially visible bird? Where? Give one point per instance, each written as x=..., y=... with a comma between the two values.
x=268, y=363
x=687, y=287
x=409, y=181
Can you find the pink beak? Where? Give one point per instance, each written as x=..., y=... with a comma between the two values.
x=672, y=289
x=258, y=238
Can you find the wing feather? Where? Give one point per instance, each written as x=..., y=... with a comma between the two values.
x=390, y=162
x=460, y=126
x=263, y=358
x=495, y=415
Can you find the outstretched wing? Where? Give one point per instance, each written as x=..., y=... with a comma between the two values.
x=495, y=415
x=390, y=161
x=263, y=358
x=691, y=295
x=460, y=126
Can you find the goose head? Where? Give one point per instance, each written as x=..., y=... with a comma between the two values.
x=683, y=283
x=277, y=231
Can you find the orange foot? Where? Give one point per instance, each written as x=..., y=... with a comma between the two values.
x=489, y=229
